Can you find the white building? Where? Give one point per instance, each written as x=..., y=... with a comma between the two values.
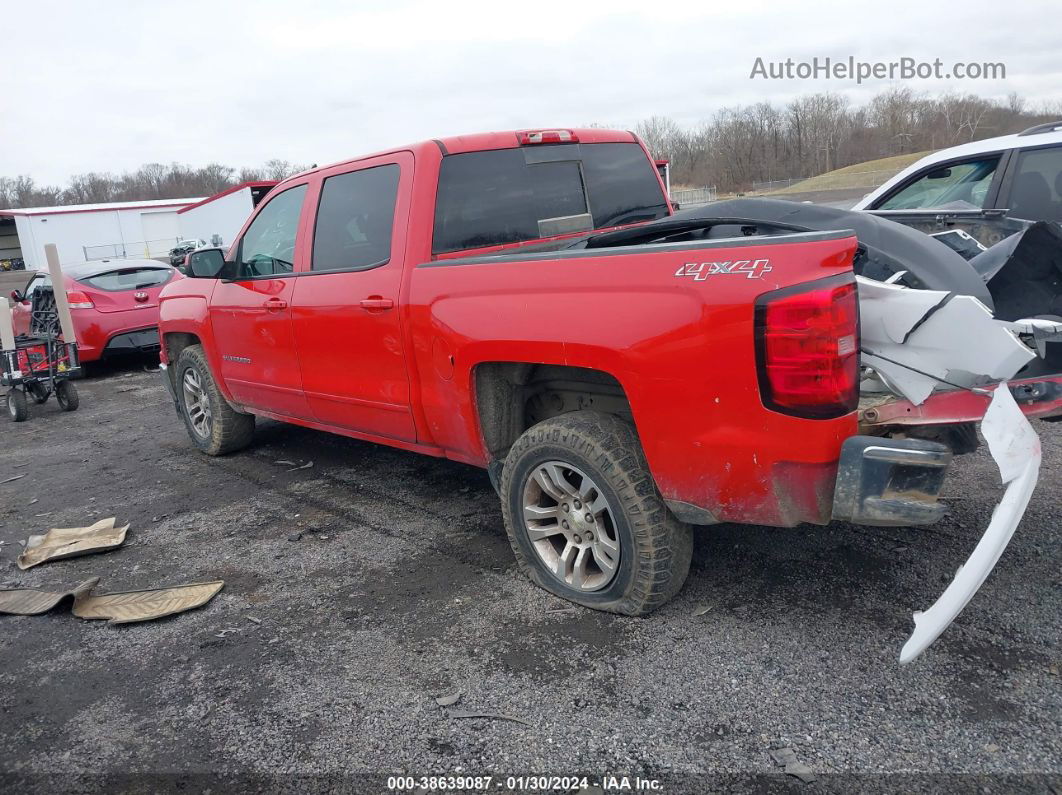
x=85, y=232
x=218, y=219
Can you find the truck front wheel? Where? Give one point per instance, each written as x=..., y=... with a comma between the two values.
x=215, y=427
x=584, y=517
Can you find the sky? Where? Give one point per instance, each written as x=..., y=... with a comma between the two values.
x=110, y=85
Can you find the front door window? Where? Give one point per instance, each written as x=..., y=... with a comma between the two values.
x=959, y=186
x=268, y=246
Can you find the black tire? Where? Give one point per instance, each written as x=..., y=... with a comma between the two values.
x=66, y=396
x=654, y=547
x=38, y=393
x=17, y=407
x=228, y=429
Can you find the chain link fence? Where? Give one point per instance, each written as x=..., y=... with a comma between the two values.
x=692, y=197
x=139, y=249
x=775, y=184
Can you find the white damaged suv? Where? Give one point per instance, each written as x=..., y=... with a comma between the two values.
x=1020, y=175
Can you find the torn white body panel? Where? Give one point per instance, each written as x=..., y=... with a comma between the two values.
x=916, y=341
x=1039, y=331
x=1015, y=448
x=1036, y=325
x=919, y=340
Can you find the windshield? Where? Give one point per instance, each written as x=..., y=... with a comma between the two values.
x=511, y=195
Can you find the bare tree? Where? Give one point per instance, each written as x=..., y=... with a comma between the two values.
x=659, y=134
x=964, y=115
x=279, y=169
x=821, y=132
x=736, y=148
x=215, y=177
x=26, y=193
x=7, y=193
x=250, y=175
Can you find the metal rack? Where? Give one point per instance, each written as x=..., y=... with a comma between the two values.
x=40, y=364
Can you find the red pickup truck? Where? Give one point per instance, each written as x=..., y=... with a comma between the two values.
x=471, y=298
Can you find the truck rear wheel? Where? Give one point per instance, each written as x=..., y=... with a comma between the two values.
x=215, y=427
x=585, y=520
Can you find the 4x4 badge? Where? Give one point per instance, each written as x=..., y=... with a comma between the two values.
x=753, y=269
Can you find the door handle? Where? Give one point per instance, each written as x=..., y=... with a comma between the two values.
x=274, y=304
x=376, y=302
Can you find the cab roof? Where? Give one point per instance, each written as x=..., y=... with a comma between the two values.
x=478, y=142
x=486, y=141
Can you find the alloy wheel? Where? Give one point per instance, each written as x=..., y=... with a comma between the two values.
x=196, y=403
x=571, y=526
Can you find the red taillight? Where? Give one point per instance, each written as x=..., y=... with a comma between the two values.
x=547, y=137
x=808, y=349
x=78, y=300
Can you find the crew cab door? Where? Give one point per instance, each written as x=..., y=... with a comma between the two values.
x=250, y=309
x=346, y=305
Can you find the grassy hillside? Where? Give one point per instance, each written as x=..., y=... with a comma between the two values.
x=861, y=175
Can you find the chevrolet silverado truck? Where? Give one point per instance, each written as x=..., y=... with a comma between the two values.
x=493, y=299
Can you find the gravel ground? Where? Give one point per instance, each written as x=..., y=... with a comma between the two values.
x=382, y=580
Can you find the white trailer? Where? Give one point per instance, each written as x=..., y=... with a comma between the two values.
x=83, y=232
x=217, y=219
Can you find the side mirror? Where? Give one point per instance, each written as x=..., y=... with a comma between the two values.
x=17, y=296
x=205, y=263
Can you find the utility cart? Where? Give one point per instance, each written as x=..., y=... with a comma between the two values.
x=43, y=361
x=38, y=364
x=38, y=367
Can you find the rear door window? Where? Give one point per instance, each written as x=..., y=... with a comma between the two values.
x=1036, y=194
x=129, y=279
x=957, y=186
x=355, y=219
x=510, y=195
